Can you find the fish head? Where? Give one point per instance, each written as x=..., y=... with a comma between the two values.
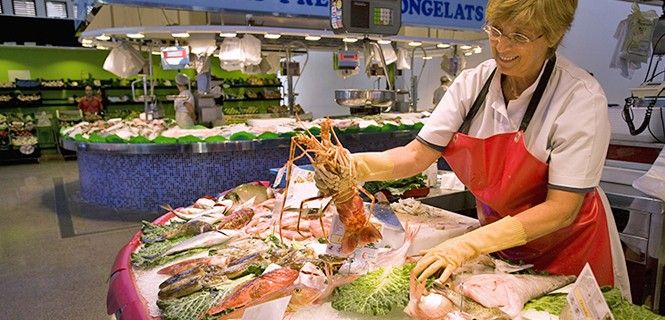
x=302, y=296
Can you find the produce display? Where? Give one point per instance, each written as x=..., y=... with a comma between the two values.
x=21, y=129
x=4, y=132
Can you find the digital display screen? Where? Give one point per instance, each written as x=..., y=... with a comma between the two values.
x=360, y=14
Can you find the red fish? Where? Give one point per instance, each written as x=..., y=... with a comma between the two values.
x=256, y=289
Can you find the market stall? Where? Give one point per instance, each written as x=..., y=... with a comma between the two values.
x=121, y=168
x=244, y=257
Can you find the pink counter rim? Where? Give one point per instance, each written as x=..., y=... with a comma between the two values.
x=123, y=299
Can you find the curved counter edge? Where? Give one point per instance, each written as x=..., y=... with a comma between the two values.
x=203, y=147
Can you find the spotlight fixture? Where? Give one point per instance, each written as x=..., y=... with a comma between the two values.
x=180, y=35
x=443, y=46
x=350, y=40
x=312, y=38
x=136, y=35
x=228, y=34
x=384, y=41
x=415, y=44
x=103, y=37
x=272, y=36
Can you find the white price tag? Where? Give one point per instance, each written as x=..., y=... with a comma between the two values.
x=271, y=310
x=585, y=298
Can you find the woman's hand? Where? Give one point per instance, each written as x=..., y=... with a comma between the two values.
x=450, y=254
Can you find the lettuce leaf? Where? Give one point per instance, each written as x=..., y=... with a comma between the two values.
x=375, y=293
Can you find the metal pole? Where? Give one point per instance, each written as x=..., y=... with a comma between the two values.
x=289, y=79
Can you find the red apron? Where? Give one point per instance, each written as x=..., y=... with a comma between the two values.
x=506, y=180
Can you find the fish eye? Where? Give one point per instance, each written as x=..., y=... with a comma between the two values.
x=297, y=290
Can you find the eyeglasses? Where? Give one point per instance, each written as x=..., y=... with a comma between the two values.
x=513, y=37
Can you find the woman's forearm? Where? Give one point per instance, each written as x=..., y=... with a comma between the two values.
x=559, y=210
x=411, y=159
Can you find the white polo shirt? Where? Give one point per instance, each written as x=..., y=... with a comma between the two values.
x=570, y=129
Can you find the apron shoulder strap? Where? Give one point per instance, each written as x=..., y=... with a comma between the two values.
x=538, y=94
x=477, y=104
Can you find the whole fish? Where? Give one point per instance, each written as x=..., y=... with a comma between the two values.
x=510, y=292
x=212, y=215
x=189, y=282
x=247, y=191
x=301, y=296
x=238, y=267
x=203, y=240
x=469, y=306
x=256, y=289
x=188, y=264
x=236, y=220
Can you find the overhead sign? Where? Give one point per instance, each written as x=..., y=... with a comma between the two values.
x=175, y=58
x=455, y=14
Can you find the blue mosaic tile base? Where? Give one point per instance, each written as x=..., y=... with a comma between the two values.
x=144, y=182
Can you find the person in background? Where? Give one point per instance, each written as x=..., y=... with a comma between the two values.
x=441, y=90
x=527, y=132
x=185, y=114
x=90, y=104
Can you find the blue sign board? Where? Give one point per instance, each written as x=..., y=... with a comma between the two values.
x=453, y=14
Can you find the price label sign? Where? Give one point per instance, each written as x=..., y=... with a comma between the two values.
x=175, y=58
x=585, y=298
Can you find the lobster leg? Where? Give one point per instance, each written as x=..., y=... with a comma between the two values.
x=289, y=163
x=370, y=196
x=302, y=204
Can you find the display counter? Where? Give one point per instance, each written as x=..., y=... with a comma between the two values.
x=145, y=176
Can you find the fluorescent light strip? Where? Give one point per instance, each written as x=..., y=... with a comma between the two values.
x=312, y=38
x=272, y=36
x=88, y=45
x=86, y=41
x=443, y=45
x=350, y=40
x=465, y=47
x=228, y=34
x=136, y=35
x=468, y=53
x=427, y=58
x=103, y=37
x=180, y=35
x=415, y=43
x=384, y=41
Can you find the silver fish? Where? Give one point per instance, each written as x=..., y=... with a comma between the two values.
x=204, y=240
x=247, y=191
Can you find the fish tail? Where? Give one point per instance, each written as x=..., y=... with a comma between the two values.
x=368, y=234
x=349, y=241
x=352, y=239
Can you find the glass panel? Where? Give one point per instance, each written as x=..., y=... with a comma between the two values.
x=25, y=8
x=56, y=9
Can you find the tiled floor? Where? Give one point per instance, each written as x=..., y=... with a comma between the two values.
x=55, y=251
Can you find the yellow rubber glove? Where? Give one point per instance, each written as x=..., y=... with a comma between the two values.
x=450, y=254
x=373, y=166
